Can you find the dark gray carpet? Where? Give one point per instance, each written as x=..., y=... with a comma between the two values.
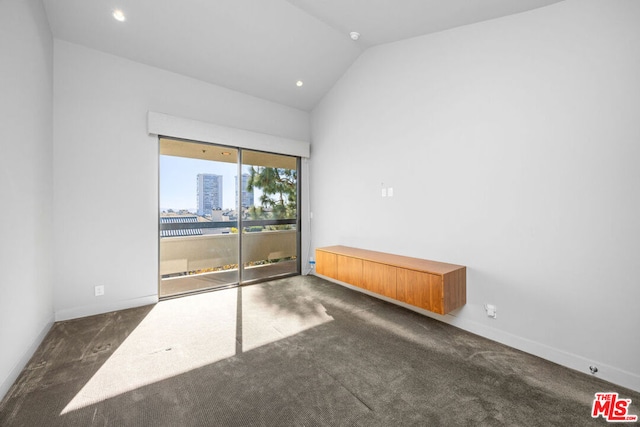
x=298, y=351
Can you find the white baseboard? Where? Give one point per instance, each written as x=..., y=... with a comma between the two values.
x=93, y=309
x=22, y=362
x=569, y=360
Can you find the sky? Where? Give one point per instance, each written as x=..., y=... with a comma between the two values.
x=179, y=186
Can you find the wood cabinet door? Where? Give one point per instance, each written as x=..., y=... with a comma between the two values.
x=350, y=270
x=420, y=289
x=379, y=278
x=327, y=264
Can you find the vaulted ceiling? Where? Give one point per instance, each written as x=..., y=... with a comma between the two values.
x=262, y=47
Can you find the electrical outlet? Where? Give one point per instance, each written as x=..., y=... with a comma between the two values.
x=99, y=290
x=491, y=311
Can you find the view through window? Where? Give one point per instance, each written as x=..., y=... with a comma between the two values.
x=224, y=221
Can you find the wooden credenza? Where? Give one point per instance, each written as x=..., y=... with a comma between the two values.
x=431, y=285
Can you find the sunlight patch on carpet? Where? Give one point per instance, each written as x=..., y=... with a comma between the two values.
x=184, y=334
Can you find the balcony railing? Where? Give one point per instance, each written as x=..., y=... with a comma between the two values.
x=180, y=255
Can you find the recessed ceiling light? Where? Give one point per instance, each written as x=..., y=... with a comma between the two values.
x=119, y=15
x=299, y=83
x=354, y=35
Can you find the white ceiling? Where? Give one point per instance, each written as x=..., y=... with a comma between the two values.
x=262, y=47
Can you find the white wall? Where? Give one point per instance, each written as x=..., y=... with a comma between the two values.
x=512, y=147
x=26, y=81
x=106, y=169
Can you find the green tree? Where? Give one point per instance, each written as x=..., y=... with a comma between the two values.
x=279, y=192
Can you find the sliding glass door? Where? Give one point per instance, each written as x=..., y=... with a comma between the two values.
x=225, y=221
x=270, y=244
x=198, y=220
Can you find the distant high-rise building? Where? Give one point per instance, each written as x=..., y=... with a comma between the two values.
x=209, y=193
x=247, y=196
